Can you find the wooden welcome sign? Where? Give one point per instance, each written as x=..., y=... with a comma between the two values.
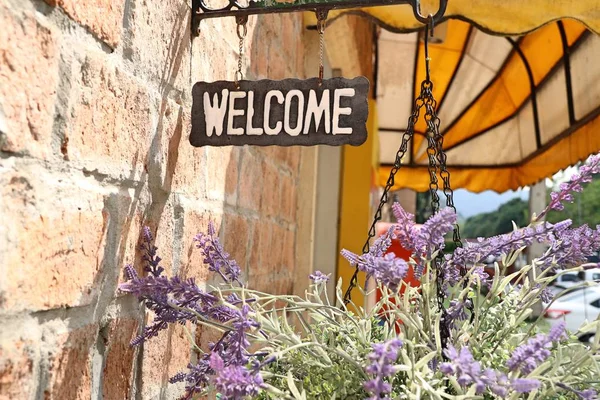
x=284, y=113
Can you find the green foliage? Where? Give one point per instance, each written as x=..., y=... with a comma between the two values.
x=497, y=222
x=585, y=208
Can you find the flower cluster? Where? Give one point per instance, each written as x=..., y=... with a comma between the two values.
x=575, y=184
x=469, y=372
x=234, y=381
x=387, y=269
x=381, y=366
x=443, y=338
x=527, y=357
x=174, y=300
x=318, y=277
x=215, y=256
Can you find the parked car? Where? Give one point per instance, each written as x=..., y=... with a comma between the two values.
x=570, y=279
x=575, y=309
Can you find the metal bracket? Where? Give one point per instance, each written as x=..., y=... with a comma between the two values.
x=201, y=11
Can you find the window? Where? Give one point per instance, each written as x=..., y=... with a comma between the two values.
x=596, y=277
x=596, y=303
x=569, y=278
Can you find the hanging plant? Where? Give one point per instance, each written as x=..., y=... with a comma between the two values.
x=314, y=347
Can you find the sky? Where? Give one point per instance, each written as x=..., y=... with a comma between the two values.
x=469, y=204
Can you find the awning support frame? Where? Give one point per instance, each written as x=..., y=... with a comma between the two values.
x=200, y=10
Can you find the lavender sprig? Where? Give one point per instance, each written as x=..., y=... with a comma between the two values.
x=151, y=259
x=469, y=372
x=234, y=382
x=382, y=359
x=215, y=256
x=575, y=185
x=527, y=357
x=318, y=277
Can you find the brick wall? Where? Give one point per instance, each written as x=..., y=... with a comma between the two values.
x=94, y=119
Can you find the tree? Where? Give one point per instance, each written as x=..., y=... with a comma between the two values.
x=497, y=222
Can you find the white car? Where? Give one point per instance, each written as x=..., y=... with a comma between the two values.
x=569, y=279
x=575, y=309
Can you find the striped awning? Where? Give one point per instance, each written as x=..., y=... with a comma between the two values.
x=513, y=108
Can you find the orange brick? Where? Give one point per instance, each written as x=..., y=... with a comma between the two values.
x=277, y=64
x=271, y=193
x=158, y=42
x=288, y=198
x=194, y=222
x=261, y=247
x=292, y=159
x=222, y=172
x=251, y=181
x=109, y=123
x=163, y=357
x=103, y=18
x=118, y=366
x=17, y=379
x=185, y=167
x=70, y=365
x=57, y=237
x=236, y=238
x=289, y=254
x=28, y=79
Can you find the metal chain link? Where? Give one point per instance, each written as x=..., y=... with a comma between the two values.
x=242, y=31
x=406, y=137
x=437, y=162
x=321, y=18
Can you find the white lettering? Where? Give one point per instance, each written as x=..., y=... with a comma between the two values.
x=234, y=113
x=214, y=114
x=279, y=97
x=250, y=130
x=315, y=111
x=337, y=110
x=288, y=103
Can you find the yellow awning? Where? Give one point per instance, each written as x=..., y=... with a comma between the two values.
x=513, y=110
x=508, y=17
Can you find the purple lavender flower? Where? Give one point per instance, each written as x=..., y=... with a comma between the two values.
x=405, y=230
x=570, y=247
x=522, y=385
x=587, y=394
x=469, y=372
x=388, y=269
x=430, y=237
x=457, y=310
x=151, y=259
x=464, y=366
x=235, y=352
x=473, y=253
x=382, y=358
x=215, y=256
x=234, y=382
x=591, y=167
x=528, y=356
x=318, y=277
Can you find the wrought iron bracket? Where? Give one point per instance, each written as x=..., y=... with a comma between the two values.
x=201, y=11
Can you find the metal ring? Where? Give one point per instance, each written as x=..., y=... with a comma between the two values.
x=243, y=32
x=425, y=19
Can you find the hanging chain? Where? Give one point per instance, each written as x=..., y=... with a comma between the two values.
x=321, y=18
x=242, y=31
x=406, y=138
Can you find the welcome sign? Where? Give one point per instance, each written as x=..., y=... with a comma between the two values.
x=285, y=113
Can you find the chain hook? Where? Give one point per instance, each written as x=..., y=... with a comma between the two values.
x=242, y=31
x=321, y=18
x=428, y=33
x=425, y=19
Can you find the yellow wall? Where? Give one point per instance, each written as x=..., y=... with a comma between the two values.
x=358, y=167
